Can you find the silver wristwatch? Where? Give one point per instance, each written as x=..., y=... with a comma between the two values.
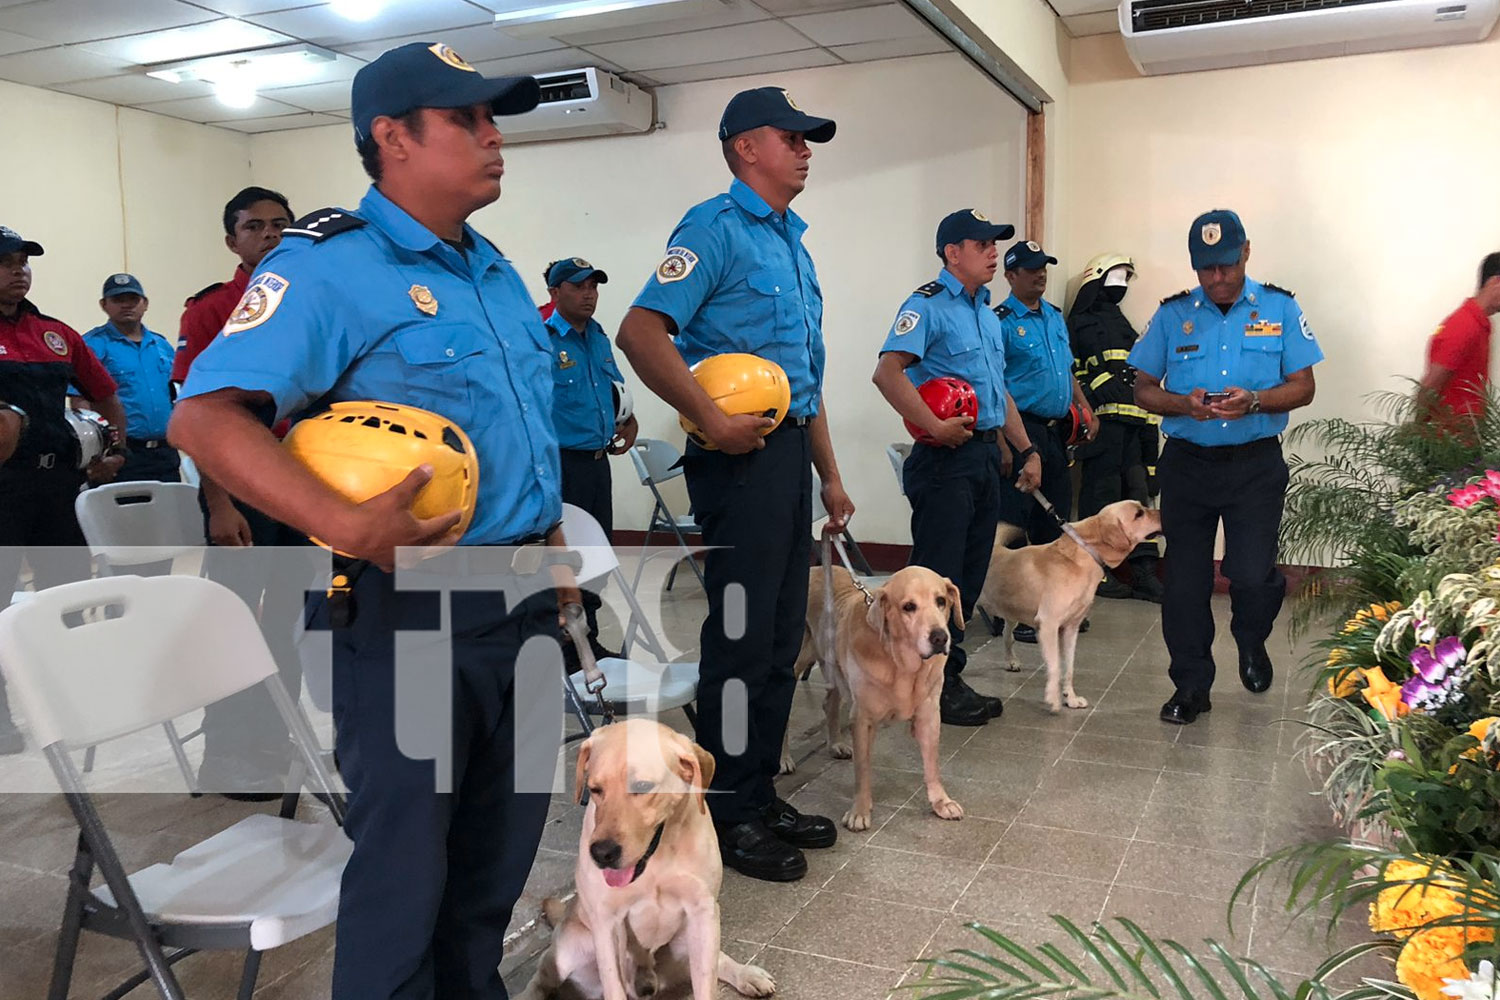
x=12, y=407
x=1254, y=402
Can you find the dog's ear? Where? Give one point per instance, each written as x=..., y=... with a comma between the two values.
x=695, y=765
x=955, y=606
x=875, y=614
x=581, y=771
x=1118, y=535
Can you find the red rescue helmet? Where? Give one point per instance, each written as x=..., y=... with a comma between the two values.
x=1076, y=423
x=947, y=396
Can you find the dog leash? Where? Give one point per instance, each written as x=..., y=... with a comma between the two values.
x=1071, y=532
x=594, y=680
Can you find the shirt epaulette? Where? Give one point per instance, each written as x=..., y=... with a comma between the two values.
x=930, y=289
x=1002, y=310
x=323, y=223
x=202, y=292
x=1277, y=288
x=1180, y=295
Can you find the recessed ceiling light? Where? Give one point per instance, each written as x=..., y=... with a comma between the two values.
x=357, y=10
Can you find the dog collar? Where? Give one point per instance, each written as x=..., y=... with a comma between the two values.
x=640, y=866
x=1071, y=532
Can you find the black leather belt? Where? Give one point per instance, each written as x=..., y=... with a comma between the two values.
x=535, y=539
x=793, y=422
x=1223, y=452
x=595, y=455
x=1048, y=422
x=147, y=443
x=989, y=437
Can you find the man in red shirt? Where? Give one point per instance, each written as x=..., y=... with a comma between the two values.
x=1458, y=356
x=39, y=475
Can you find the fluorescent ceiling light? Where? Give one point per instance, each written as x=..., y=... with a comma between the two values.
x=257, y=69
x=357, y=10
x=552, y=18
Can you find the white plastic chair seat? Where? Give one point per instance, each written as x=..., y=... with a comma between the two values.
x=281, y=876
x=644, y=690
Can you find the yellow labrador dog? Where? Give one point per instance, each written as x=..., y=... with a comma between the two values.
x=888, y=664
x=1052, y=586
x=648, y=873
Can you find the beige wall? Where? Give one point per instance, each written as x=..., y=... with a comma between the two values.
x=115, y=189
x=917, y=138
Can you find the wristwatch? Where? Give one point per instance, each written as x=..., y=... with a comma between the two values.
x=1022, y=456
x=25, y=420
x=1254, y=402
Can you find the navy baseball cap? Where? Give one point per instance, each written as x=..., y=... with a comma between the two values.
x=12, y=242
x=574, y=269
x=122, y=284
x=1215, y=239
x=432, y=75
x=1027, y=255
x=970, y=224
x=771, y=106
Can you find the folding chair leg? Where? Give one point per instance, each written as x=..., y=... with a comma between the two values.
x=72, y=922
x=88, y=760
x=182, y=761
x=692, y=715
x=576, y=706
x=247, y=978
x=989, y=622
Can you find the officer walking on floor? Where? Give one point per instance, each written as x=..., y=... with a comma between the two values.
x=402, y=301
x=1039, y=374
x=947, y=328
x=736, y=278
x=40, y=357
x=585, y=381
x=1119, y=464
x=140, y=362
x=1223, y=364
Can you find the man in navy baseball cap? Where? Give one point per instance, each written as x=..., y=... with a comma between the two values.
x=1027, y=255
x=431, y=75
x=575, y=270
x=13, y=242
x=771, y=106
x=1216, y=239
x=970, y=224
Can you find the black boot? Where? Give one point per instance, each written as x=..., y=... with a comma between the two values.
x=961, y=705
x=1115, y=588
x=1145, y=585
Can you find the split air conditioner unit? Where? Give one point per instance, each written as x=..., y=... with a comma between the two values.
x=1178, y=36
x=583, y=102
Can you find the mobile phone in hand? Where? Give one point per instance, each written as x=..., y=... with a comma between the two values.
x=1210, y=398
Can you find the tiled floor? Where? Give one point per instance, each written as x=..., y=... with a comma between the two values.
x=1092, y=814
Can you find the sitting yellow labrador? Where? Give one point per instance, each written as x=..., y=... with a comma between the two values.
x=888, y=664
x=1051, y=587
x=648, y=873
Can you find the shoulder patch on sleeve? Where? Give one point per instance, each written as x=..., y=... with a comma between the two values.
x=258, y=303
x=906, y=322
x=1002, y=310
x=202, y=292
x=323, y=223
x=930, y=289
x=1180, y=295
x=1277, y=288
x=676, y=265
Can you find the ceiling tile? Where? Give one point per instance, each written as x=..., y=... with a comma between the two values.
x=867, y=24
x=734, y=12
x=716, y=45
x=280, y=123
x=544, y=62
x=11, y=42
x=1092, y=24
x=84, y=20
x=778, y=63
x=135, y=88
x=238, y=8
x=403, y=17
x=44, y=67
x=223, y=35
x=1068, y=8
x=476, y=44
x=891, y=49
x=211, y=109
x=784, y=8
x=318, y=97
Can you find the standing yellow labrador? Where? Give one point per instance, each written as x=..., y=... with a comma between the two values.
x=887, y=662
x=648, y=873
x=1051, y=587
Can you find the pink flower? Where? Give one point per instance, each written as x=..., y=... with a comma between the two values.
x=1467, y=496
x=1491, y=484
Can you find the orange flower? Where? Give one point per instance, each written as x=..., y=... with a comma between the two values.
x=1432, y=955
x=1382, y=694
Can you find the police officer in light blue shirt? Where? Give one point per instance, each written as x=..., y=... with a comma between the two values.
x=141, y=363
x=400, y=300
x=947, y=328
x=736, y=278
x=1223, y=363
x=586, y=390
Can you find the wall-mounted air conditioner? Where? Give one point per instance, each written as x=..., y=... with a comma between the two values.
x=582, y=102
x=1177, y=36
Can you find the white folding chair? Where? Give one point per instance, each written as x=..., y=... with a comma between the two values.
x=633, y=687
x=656, y=462
x=262, y=882
x=898, y=453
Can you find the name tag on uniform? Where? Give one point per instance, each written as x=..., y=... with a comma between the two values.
x=1187, y=349
x=563, y=361
x=1262, y=329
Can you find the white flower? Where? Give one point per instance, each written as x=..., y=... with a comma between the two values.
x=1479, y=986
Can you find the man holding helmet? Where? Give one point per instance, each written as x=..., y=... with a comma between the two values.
x=402, y=301
x=953, y=476
x=736, y=278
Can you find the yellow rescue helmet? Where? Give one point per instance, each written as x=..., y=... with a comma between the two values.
x=741, y=383
x=362, y=448
x=1104, y=263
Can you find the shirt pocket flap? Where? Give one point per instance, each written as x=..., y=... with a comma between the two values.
x=438, y=343
x=769, y=281
x=1265, y=344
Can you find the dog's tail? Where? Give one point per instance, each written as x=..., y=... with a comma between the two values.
x=1008, y=536
x=553, y=910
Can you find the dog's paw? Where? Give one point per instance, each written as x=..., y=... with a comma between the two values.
x=856, y=821
x=755, y=982
x=788, y=764
x=1074, y=701
x=840, y=751
x=1054, y=705
x=1014, y=666
x=948, y=809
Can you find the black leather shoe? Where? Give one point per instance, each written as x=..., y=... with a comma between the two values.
x=753, y=850
x=1025, y=633
x=959, y=705
x=1083, y=626
x=783, y=820
x=1184, y=708
x=1114, y=588
x=1255, y=670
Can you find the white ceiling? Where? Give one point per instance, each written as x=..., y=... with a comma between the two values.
x=1088, y=17
x=96, y=48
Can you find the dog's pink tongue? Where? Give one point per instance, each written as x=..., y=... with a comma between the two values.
x=618, y=878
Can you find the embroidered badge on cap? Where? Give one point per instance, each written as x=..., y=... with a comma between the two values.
x=55, y=341
x=258, y=303
x=1212, y=234
x=789, y=102
x=580, y=262
x=450, y=57
x=423, y=299
x=979, y=215
x=1033, y=246
x=122, y=279
x=676, y=265
x=907, y=322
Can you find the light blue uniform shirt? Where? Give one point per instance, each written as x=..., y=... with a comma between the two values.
x=339, y=318
x=737, y=279
x=1190, y=343
x=144, y=374
x=953, y=333
x=583, y=369
x=1038, y=357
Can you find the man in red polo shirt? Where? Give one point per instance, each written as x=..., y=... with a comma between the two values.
x=1458, y=356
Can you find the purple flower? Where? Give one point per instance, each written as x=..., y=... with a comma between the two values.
x=1438, y=675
